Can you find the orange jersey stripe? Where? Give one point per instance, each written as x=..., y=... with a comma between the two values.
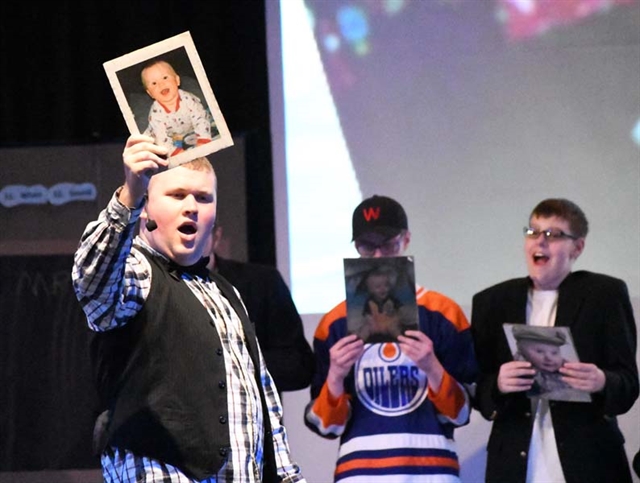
x=450, y=399
x=425, y=461
x=339, y=311
x=437, y=302
x=331, y=411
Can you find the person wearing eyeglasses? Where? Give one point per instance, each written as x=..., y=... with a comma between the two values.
x=394, y=405
x=534, y=439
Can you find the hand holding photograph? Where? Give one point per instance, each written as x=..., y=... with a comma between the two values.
x=547, y=349
x=381, y=297
x=163, y=92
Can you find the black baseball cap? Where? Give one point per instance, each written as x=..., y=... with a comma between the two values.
x=379, y=214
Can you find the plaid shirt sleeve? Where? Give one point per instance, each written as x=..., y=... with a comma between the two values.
x=110, y=280
x=288, y=470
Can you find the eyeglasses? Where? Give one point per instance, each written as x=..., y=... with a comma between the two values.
x=388, y=248
x=551, y=234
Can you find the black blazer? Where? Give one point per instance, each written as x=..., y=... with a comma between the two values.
x=278, y=325
x=598, y=310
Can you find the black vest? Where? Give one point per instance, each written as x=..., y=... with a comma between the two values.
x=164, y=380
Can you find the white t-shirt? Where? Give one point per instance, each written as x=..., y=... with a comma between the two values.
x=543, y=464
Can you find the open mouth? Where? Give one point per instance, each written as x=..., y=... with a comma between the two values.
x=540, y=258
x=187, y=229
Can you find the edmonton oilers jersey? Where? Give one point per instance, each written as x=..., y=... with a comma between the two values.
x=391, y=426
x=388, y=382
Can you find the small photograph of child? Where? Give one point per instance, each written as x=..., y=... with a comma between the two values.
x=177, y=118
x=381, y=301
x=164, y=93
x=547, y=349
x=381, y=311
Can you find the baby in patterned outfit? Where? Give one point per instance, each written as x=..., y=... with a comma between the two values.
x=177, y=118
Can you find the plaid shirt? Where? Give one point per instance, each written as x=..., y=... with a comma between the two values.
x=112, y=280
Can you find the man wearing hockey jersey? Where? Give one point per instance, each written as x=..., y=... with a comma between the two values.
x=394, y=405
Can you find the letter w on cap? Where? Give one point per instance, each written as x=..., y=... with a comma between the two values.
x=371, y=213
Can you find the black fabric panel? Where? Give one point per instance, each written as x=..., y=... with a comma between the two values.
x=47, y=397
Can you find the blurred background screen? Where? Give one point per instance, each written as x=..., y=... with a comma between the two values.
x=468, y=113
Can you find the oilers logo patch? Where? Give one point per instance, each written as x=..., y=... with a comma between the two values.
x=388, y=382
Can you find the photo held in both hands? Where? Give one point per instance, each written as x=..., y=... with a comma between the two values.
x=183, y=383
x=388, y=385
x=554, y=410
x=381, y=297
x=547, y=349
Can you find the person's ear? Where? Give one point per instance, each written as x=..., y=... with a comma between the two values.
x=144, y=216
x=217, y=235
x=578, y=247
x=407, y=239
x=178, y=80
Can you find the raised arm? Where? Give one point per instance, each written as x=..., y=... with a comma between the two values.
x=108, y=293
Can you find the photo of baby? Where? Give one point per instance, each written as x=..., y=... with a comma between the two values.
x=381, y=311
x=177, y=118
x=381, y=300
x=163, y=92
x=547, y=349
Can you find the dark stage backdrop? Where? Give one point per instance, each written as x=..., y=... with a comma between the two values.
x=47, y=396
x=53, y=88
x=54, y=92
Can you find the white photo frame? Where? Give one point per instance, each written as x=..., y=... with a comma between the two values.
x=124, y=74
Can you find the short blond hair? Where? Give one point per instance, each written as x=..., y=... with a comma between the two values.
x=151, y=63
x=199, y=164
x=202, y=164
